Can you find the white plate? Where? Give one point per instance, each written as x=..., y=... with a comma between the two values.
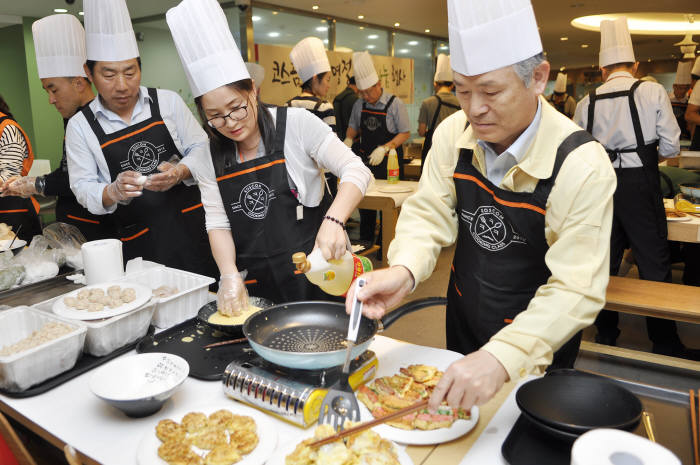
x=143, y=294
x=389, y=189
x=678, y=218
x=278, y=458
x=147, y=452
x=5, y=243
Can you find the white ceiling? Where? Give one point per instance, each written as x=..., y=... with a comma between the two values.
x=553, y=17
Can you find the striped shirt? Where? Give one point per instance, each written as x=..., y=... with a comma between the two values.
x=322, y=109
x=13, y=151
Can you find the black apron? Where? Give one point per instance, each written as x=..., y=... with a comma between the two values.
x=165, y=227
x=695, y=142
x=429, y=135
x=499, y=260
x=679, y=109
x=375, y=132
x=639, y=220
x=17, y=211
x=262, y=212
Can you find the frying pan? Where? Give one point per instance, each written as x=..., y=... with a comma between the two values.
x=575, y=402
x=209, y=309
x=311, y=335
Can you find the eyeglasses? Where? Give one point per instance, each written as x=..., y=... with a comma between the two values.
x=236, y=114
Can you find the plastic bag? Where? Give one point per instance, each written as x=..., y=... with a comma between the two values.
x=69, y=239
x=39, y=262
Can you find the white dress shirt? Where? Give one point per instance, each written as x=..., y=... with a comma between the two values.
x=498, y=165
x=612, y=125
x=309, y=147
x=87, y=167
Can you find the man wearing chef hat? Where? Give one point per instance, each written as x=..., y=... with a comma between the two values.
x=679, y=95
x=563, y=102
x=128, y=150
x=526, y=195
x=381, y=121
x=634, y=121
x=692, y=113
x=437, y=107
x=59, y=42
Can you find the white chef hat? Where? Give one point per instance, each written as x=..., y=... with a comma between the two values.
x=615, y=42
x=696, y=67
x=688, y=46
x=309, y=58
x=560, y=84
x=363, y=67
x=59, y=42
x=256, y=72
x=443, y=70
x=206, y=47
x=683, y=73
x=486, y=35
x=109, y=35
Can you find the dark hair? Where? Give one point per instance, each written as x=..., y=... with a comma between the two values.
x=222, y=148
x=307, y=85
x=4, y=108
x=695, y=76
x=444, y=83
x=351, y=80
x=622, y=64
x=91, y=64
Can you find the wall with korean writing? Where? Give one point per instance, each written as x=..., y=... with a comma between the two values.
x=282, y=83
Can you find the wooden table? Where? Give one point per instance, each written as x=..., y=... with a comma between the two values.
x=683, y=231
x=389, y=204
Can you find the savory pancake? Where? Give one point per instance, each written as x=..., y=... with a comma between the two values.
x=245, y=441
x=168, y=430
x=194, y=422
x=209, y=438
x=225, y=454
x=241, y=423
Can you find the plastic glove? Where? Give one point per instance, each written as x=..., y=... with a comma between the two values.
x=232, y=297
x=348, y=141
x=377, y=155
x=127, y=186
x=19, y=186
x=171, y=174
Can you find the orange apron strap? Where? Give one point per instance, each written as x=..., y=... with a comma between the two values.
x=250, y=281
x=140, y=233
x=84, y=220
x=36, y=205
x=193, y=207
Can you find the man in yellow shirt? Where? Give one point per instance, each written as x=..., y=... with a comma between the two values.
x=526, y=195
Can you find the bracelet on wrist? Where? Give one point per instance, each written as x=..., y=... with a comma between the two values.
x=334, y=220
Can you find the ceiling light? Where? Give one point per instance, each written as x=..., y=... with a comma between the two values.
x=60, y=10
x=397, y=24
x=315, y=7
x=371, y=46
x=325, y=41
x=81, y=13
x=372, y=36
x=275, y=12
x=273, y=34
x=427, y=30
x=362, y=28
x=324, y=21
x=256, y=18
x=584, y=45
x=562, y=69
x=321, y=28
x=649, y=60
x=360, y=16
x=403, y=50
x=563, y=38
x=443, y=47
x=413, y=42
x=644, y=23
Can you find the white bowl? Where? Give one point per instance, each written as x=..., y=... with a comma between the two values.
x=140, y=384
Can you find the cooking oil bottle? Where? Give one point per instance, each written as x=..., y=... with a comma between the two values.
x=392, y=167
x=333, y=276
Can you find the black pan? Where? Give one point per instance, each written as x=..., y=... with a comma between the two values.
x=576, y=402
x=311, y=335
x=209, y=309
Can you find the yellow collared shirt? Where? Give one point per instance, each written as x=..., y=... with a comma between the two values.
x=577, y=229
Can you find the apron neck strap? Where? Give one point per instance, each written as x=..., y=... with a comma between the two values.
x=280, y=130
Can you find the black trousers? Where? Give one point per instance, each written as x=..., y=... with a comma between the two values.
x=639, y=223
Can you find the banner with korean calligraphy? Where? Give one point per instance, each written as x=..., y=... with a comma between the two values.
x=282, y=83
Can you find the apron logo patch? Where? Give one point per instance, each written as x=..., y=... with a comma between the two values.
x=489, y=229
x=254, y=200
x=143, y=157
x=372, y=123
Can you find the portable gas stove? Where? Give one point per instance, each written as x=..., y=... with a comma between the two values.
x=291, y=394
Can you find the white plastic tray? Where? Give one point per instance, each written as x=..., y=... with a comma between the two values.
x=24, y=369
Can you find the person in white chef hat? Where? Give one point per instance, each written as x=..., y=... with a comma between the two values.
x=437, y=107
x=128, y=150
x=59, y=42
x=526, y=195
x=314, y=70
x=262, y=186
x=680, y=94
x=692, y=113
x=563, y=102
x=634, y=121
x=380, y=119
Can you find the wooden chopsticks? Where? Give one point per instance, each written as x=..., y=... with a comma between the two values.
x=225, y=343
x=363, y=426
x=694, y=426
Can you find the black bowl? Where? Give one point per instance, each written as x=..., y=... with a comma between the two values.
x=209, y=309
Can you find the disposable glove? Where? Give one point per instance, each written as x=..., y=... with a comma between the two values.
x=348, y=141
x=19, y=186
x=377, y=155
x=232, y=298
x=171, y=174
x=129, y=184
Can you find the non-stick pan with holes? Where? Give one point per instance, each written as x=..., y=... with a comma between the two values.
x=311, y=335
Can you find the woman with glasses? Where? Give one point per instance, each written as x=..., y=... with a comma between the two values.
x=262, y=188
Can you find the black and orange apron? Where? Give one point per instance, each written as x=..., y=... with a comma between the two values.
x=428, y=142
x=17, y=211
x=375, y=132
x=269, y=224
x=499, y=260
x=165, y=227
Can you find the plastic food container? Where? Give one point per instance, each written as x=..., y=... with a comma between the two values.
x=192, y=293
x=24, y=369
x=109, y=334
